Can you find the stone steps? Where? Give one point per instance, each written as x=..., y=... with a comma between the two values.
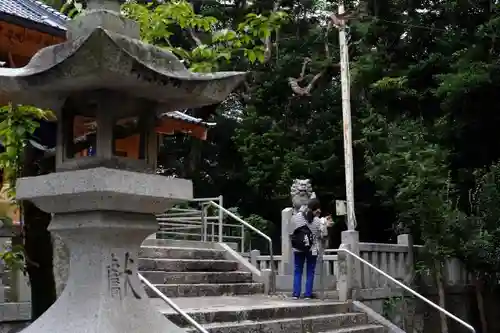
x=209, y=289
x=223, y=299
x=159, y=252
x=309, y=324
x=159, y=277
x=264, y=312
x=188, y=271
x=184, y=243
x=269, y=314
x=186, y=265
x=360, y=329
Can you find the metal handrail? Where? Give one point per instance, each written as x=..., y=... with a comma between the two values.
x=172, y=304
x=205, y=199
x=272, y=288
x=405, y=287
x=190, y=219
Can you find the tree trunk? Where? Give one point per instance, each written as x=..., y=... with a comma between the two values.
x=193, y=159
x=480, y=303
x=442, y=296
x=37, y=245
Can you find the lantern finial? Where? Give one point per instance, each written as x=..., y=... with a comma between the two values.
x=105, y=14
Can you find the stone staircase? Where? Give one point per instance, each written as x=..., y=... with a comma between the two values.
x=190, y=269
x=265, y=314
x=201, y=281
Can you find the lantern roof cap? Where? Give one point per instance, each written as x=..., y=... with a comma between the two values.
x=105, y=60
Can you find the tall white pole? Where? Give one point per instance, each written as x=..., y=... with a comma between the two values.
x=346, y=116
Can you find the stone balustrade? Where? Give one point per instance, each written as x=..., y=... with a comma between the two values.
x=391, y=258
x=394, y=259
x=15, y=294
x=348, y=274
x=330, y=263
x=13, y=283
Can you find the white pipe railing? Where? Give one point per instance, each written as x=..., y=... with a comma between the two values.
x=272, y=288
x=172, y=304
x=193, y=219
x=221, y=220
x=205, y=199
x=408, y=289
x=196, y=221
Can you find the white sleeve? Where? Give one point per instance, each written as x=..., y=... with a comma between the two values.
x=322, y=226
x=291, y=225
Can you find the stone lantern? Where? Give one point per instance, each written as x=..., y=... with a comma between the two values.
x=104, y=84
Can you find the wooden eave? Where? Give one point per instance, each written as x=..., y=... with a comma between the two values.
x=166, y=126
x=21, y=38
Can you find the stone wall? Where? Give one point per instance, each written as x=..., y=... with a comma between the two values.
x=14, y=317
x=492, y=307
x=415, y=316
x=13, y=326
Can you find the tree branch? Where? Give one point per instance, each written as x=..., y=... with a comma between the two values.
x=195, y=38
x=340, y=20
x=268, y=45
x=303, y=71
x=303, y=91
x=327, y=48
x=246, y=94
x=294, y=82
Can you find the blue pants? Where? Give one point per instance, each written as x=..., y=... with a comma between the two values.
x=310, y=260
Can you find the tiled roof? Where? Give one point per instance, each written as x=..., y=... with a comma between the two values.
x=35, y=11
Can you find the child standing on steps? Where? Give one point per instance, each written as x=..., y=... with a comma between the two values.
x=306, y=230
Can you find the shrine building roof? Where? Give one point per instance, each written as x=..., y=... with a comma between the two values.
x=33, y=14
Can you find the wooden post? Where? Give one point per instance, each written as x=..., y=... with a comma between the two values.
x=346, y=116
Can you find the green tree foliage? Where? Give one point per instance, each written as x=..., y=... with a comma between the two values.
x=481, y=252
x=480, y=232
x=282, y=136
x=218, y=41
x=17, y=125
x=417, y=66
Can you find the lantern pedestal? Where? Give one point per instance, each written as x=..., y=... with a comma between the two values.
x=103, y=215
